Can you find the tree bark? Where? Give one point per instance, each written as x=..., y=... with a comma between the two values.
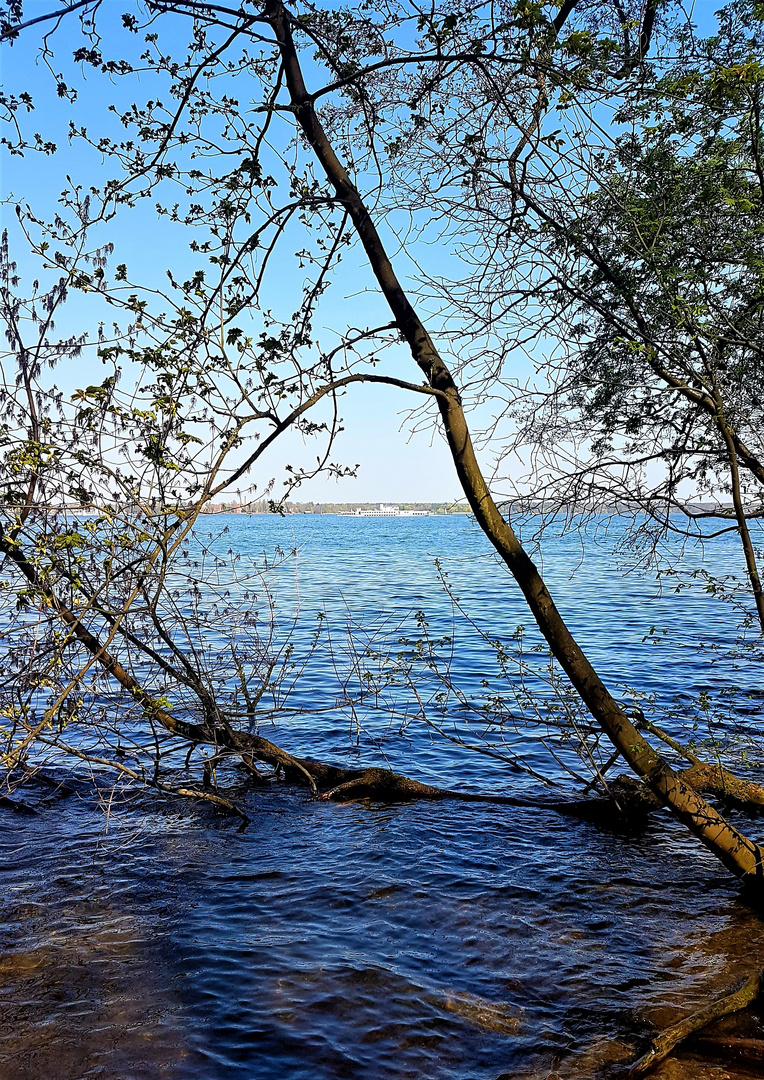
x=740, y=515
x=665, y=1042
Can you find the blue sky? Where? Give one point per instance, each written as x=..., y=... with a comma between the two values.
x=394, y=464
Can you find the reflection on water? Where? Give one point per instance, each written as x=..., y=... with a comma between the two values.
x=78, y=993
x=343, y=941
x=437, y=941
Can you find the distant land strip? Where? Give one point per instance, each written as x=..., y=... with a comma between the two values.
x=520, y=505
x=265, y=506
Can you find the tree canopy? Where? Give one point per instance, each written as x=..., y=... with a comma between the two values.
x=486, y=134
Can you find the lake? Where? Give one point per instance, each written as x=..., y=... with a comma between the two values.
x=445, y=940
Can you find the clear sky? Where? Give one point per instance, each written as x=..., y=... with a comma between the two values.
x=395, y=465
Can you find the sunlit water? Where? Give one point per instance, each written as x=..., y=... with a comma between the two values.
x=442, y=940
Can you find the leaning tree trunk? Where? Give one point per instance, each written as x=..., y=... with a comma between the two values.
x=742, y=856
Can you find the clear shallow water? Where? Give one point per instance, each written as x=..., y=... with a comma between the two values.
x=432, y=940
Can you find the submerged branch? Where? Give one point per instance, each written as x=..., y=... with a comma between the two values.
x=665, y=1042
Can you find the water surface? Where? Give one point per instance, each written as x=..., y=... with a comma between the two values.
x=441, y=941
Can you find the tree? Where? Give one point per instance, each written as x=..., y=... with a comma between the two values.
x=518, y=59
x=101, y=494
x=647, y=264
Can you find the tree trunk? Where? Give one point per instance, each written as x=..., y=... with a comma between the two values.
x=740, y=855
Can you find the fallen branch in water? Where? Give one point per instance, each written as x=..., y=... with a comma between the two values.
x=35, y=775
x=224, y=805
x=714, y=779
x=328, y=781
x=17, y=807
x=671, y=1037
x=732, y=1048
x=629, y=794
x=633, y=798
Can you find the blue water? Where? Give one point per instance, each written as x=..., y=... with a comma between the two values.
x=370, y=576
x=144, y=938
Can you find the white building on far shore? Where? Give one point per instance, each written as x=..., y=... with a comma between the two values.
x=385, y=511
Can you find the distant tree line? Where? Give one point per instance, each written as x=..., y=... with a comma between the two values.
x=265, y=506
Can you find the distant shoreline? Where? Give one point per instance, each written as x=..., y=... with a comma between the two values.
x=518, y=507
x=349, y=509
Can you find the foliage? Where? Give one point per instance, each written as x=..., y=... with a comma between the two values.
x=475, y=127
